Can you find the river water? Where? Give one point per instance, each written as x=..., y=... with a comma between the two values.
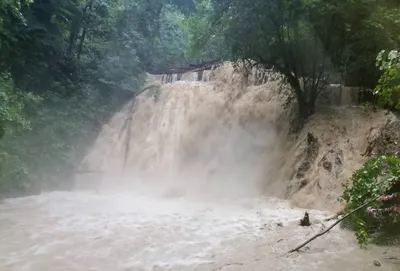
x=87, y=231
x=211, y=150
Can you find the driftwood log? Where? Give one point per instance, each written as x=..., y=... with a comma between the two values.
x=305, y=221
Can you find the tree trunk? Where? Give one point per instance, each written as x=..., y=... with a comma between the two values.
x=72, y=37
x=304, y=110
x=76, y=27
x=311, y=101
x=306, y=103
x=80, y=48
x=84, y=31
x=306, y=107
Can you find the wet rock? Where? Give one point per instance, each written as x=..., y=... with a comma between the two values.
x=327, y=165
x=311, y=138
x=303, y=183
x=332, y=162
x=338, y=160
x=311, y=153
x=304, y=167
x=389, y=141
x=296, y=185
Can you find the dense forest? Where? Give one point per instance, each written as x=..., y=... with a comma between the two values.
x=311, y=42
x=66, y=66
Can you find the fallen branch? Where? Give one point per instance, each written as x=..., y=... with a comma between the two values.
x=333, y=225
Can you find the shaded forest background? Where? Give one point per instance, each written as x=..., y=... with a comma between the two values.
x=66, y=66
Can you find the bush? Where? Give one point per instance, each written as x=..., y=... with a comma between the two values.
x=378, y=176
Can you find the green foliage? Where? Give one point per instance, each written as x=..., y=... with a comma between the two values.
x=388, y=88
x=170, y=46
x=310, y=42
x=185, y=5
x=353, y=33
x=61, y=131
x=378, y=176
x=361, y=231
x=65, y=67
x=12, y=105
x=205, y=41
x=13, y=102
x=275, y=33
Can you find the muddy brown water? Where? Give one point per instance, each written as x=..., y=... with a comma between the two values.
x=136, y=231
x=217, y=148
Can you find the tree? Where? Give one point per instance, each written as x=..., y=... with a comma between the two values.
x=278, y=34
x=205, y=42
x=311, y=42
x=170, y=45
x=353, y=33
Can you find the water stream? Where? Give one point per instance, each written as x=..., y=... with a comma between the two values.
x=135, y=231
x=213, y=158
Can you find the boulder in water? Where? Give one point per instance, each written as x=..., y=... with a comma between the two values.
x=305, y=221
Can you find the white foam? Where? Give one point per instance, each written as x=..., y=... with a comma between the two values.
x=85, y=231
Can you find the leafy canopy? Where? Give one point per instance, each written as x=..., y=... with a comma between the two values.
x=388, y=88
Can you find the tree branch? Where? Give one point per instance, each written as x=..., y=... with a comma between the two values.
x=333, y=225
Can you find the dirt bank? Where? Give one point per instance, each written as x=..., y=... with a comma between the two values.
x=315, y=161
x=333, y=143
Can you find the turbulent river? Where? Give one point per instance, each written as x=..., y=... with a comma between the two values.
x=215, y=162
x=124, y=231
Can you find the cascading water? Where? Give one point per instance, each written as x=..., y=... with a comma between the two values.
x=207, y=136
x=185, y=173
